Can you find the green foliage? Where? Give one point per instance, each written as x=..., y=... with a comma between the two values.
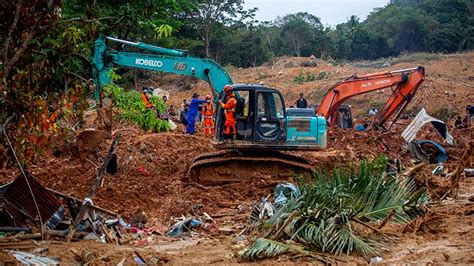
x=301, y=29
x=330, y=214
x=309, y=76
x=42, y=74
x=263, y=248
x=132, y=108
x=300, y=78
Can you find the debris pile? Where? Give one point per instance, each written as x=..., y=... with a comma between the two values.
x=343, y=212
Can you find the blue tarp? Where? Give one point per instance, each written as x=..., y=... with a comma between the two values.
x=418, y=150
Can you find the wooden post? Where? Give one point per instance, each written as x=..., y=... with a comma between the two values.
x=87, y=206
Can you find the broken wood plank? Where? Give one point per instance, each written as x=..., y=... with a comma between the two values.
x=76, y=253
x=414, y=169
x=20, y=237
x=24, y=245
x=107, y=234
x=60, y=194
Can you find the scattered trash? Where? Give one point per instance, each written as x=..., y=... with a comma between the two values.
x=420, y=120
x=376, y=260
x=139, y=259
x=143, y=171
x=240, y=238
x=32, y=259
x=183, y=225
x=438, y=170
x=285, y=191
x=112, y=166
x=263, y=210
x=427, y=151
x=266, y=209
x=469, y=171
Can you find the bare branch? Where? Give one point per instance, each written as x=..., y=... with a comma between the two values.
x=24, y=46
x=10, y=32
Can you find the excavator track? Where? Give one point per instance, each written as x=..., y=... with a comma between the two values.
x=228, y=166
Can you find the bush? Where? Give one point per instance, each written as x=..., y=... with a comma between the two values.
x=309, y=76
x=133, y=109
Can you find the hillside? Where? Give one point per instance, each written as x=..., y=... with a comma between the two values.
x=449, y=81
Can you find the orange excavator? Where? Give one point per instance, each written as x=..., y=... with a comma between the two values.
x=404, y=83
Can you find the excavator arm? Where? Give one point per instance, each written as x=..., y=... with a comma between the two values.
x=161, y=59
x=404, y=84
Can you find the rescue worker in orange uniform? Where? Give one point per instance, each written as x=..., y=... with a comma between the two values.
x=146, y=95
x=229, y=112
x=208, y=115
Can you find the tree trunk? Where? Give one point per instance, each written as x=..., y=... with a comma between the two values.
x=207, y=42
x=10, y=32
x=11, y=63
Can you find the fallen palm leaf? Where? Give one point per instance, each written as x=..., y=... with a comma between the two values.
x=333, y=214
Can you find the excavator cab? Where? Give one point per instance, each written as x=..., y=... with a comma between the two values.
x=260, y=114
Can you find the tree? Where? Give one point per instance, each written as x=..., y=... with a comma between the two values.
x=22, y=30
x=300, y=29
x=209, y=13
x=42, y=81
x=403, y=28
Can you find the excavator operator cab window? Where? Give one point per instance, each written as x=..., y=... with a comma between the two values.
x=270, y=115
x=243, y=115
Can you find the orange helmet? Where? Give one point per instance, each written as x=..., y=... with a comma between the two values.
x=227, y=88
x=208, y=97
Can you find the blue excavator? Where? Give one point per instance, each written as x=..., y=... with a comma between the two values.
x=265, y=128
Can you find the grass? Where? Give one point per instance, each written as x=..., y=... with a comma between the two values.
x=416, y=57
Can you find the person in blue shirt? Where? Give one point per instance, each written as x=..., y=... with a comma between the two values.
x=361, y=127
x=192, y=112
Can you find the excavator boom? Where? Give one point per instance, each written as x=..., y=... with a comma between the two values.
x=160, y=59
x=404, y=84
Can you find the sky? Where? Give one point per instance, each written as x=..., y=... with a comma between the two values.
x=331, y=12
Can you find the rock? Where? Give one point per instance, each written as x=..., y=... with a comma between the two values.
x=142, y=148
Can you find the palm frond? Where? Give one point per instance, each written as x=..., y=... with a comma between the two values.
x=325, y=214
x=264, y=248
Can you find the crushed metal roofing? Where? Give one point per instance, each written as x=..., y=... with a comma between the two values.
x=18, y=200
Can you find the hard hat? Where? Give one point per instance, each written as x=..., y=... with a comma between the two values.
x=227, y=88
x=208, y=97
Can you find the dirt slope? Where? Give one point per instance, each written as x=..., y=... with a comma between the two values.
x=449, y=82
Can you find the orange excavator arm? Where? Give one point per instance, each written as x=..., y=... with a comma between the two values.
x=404, y=84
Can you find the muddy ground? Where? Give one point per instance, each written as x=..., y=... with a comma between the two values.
x=152, y=174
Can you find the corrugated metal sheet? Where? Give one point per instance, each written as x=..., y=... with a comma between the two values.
x=18, y=198
x=420, y=120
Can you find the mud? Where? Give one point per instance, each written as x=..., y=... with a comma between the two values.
x=152, y=174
